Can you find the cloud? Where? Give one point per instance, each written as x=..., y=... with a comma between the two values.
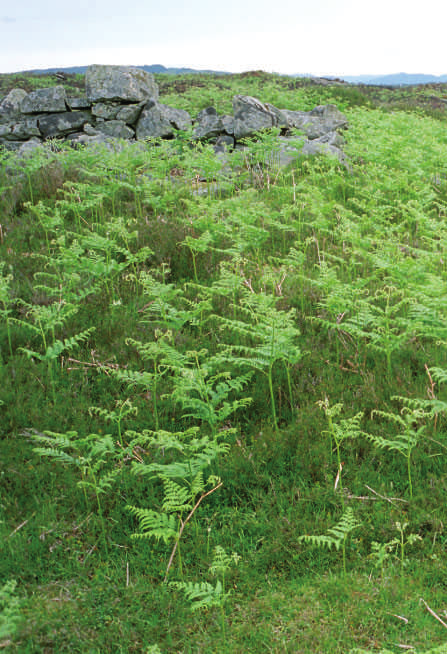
x=7, y=19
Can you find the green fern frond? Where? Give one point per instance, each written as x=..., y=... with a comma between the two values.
x=107, y=480
x=346, y=524
x=335, y=536
x=320, y=541
x=56, y=455
x=154, y=524
x=202, y=595
x=176, y=497
x=197, y=485
x=222, y=561
x=439, y=375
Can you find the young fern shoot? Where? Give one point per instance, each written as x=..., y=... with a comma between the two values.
x=348, y=428
x=411, y=426
x=183, y=482
x=335, y=536
x=268, y=335
x=203, y=595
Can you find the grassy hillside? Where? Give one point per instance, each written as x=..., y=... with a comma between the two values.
x=223, y=402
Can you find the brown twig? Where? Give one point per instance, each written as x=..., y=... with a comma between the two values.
x=184, y=523
x=391, y=500
x=435, y=615
x=431, y=393
x=21, y=525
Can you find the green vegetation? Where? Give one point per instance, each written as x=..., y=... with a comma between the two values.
x=250, y=371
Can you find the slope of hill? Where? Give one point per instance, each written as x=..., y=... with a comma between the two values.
x=393, y=79
x=154, y=68
x=396, y=79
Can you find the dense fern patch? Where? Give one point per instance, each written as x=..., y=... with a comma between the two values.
x=252, y=374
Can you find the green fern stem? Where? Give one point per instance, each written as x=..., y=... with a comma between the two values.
x=8, y=327
x=343, y=549
x=289, y=386
x=272, y=397
x=331, y=433
x=154, y=395
x=410, y=484
x=222, y=614
x=101, y=517
x=402, y=552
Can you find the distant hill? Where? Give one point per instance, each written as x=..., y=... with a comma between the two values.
x=155, y=68
x=396, y=79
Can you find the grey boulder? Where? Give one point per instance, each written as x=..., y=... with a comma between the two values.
x=48, y=100
x=78, y=103
x=158, y=120
x=117, y=129
x=209, y=124
x=105, y=110
x=119, y=84
x=315, y=147
x=251, y=116
x=322, y=120
x=63, y=123
x=130, y=113
x=22, y=131
x=10, y=105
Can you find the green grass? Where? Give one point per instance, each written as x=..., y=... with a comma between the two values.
x=156, y=345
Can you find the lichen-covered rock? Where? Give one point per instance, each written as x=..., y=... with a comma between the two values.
x=159, y=120
x=316, y=123
x=27, y=148
x=120, y=84
x=314, y=147
x=251, y=116
x=22, y=131
x=63, y=123
x=44, y=101
x=296, y=119
x=97, y=141
x=289, y=149
x=208, y=124
x=78, y=103
x=105, y=110
x=228, y=124
x=223, y=143
x=331, y=115
x=10, y=105
x=179, y=118
x=130, y=113
x=116, y=129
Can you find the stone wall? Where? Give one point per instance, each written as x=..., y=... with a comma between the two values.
x=123, y=103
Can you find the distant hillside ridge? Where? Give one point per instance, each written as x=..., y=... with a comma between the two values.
x=154, y=68
x=396, y=79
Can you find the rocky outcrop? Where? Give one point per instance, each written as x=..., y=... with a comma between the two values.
x=121, y=103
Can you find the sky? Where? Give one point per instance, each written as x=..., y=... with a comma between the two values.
x=319, y=37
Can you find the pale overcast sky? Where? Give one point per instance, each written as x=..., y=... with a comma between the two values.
x=344, y=37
